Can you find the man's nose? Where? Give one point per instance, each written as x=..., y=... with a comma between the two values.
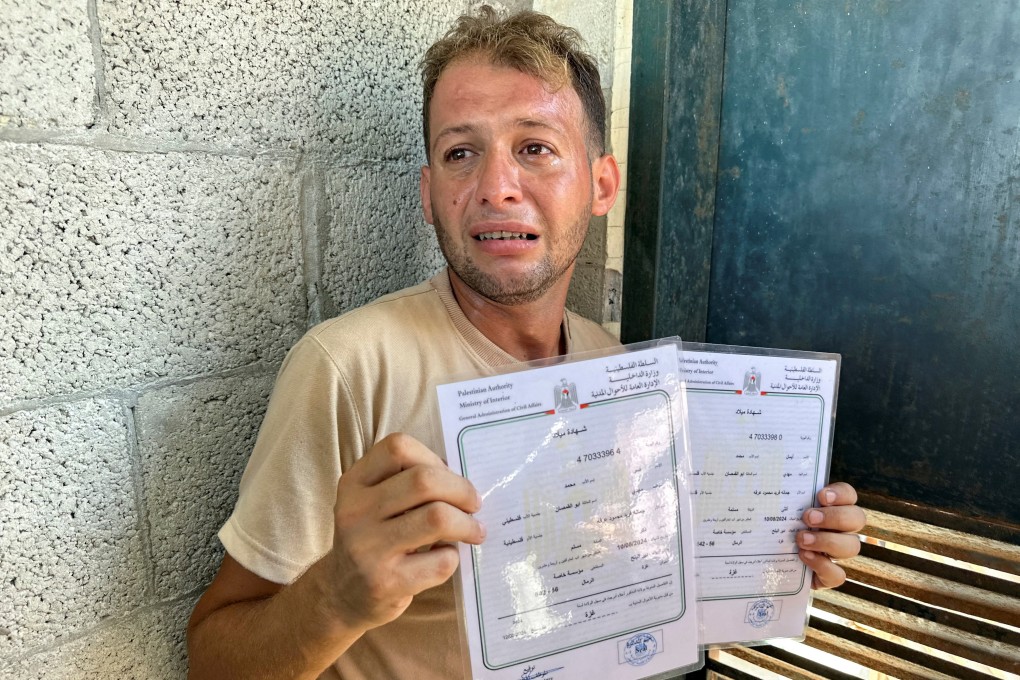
x=499, y=181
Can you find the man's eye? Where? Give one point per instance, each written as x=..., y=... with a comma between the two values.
x=536, y=149
x=457, y=154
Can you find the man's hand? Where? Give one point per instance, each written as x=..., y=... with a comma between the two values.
x=832, y=534
x=398, y=511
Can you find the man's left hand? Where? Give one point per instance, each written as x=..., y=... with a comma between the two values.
x=832, y=534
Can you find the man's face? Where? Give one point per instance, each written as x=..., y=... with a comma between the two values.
x=510, y=188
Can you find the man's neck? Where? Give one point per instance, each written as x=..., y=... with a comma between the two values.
x=527, y=331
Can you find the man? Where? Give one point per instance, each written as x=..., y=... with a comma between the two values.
x=339, y=552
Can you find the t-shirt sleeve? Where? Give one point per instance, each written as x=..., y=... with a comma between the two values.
x=283, y=520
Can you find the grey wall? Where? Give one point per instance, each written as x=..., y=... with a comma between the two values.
x=185, y=187
x=591, y=292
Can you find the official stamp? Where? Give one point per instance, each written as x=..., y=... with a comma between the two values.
x=760, y=612
x=640, y=649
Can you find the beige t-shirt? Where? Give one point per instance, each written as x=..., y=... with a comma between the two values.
x=347, y=384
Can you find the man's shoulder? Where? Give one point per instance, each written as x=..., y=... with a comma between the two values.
x=392, y=313
x=385, y=334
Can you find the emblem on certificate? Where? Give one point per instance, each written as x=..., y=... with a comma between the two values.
x=565, y=396
x=752, y=381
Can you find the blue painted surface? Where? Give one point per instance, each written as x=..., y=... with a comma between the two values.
x=676, y=86
x=868, y=203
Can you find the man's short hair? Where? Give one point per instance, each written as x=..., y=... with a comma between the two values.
x=529, y=42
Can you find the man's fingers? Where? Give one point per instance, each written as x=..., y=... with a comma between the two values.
x=827, y=573
x=378, y=562
x=837, y=546
x=400, y=473
x=831, y=534
x=431, y=523
x=397, y=500
x=391, y=455
x=427, y=569
x=837, y=493
x=849, y=518
x=382, y=589
x=422, y=484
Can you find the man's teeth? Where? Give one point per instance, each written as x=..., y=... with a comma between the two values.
x=513, y=235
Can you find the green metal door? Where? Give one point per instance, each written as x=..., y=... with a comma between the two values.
x=844, y=176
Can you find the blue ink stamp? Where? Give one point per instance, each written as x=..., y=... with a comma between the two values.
x=640, y=649
x=761, y=612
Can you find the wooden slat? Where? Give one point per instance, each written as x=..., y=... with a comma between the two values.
x=960, y=669
x=871, y=658
x=995, y=529
x=941, y=637
x=716, y=675
x=983, y=579
x=722, y=670
x=958, y=545
x=955, y=620
x=770, y=663
x=934, y=590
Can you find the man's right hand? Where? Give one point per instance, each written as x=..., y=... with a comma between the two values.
x=398, y=511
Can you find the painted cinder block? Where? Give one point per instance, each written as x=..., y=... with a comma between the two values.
x=323, y=72
x=125, y=268
x=71, y=550
x=375, y=240
x=593, y=20
x=147, y=645
x=585, y=294
x=194, y=442
x=47, y=71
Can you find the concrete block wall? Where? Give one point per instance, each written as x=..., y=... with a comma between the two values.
x=619, y=124
x=185, y=188
x=596, y=290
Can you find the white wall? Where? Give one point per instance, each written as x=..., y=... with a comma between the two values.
x=185, y=187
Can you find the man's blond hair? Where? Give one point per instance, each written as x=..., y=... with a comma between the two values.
x=529, y=42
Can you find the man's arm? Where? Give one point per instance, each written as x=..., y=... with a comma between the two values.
x=832, y=534
x=398, y=511
x=246, y=626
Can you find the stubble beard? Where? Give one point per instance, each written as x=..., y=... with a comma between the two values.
x=528, y=287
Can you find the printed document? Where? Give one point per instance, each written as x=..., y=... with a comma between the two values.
x=761, y=436
x=587, y=567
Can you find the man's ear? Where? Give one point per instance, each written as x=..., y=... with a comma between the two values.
x=425, y=187
x=605, y=178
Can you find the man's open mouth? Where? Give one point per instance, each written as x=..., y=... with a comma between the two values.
x=505, y=236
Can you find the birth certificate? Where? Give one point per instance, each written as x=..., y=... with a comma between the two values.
x=761, y=433
x=587, y=566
